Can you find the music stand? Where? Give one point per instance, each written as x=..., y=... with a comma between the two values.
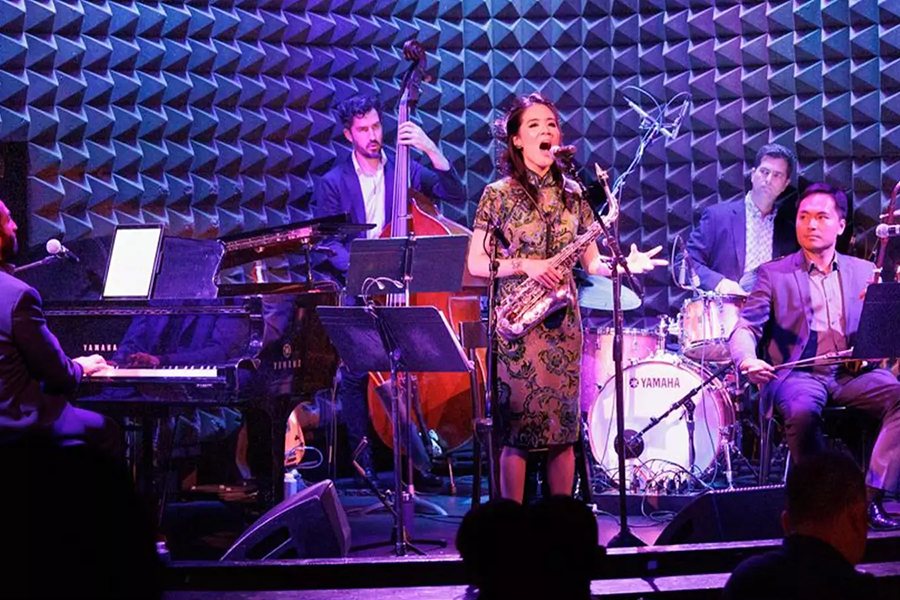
x=421, y=264
x=396, y=339
x=878, y=335
x=407, y=265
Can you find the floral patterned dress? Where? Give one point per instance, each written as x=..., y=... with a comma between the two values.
x=539, y=374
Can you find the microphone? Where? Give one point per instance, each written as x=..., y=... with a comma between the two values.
x=640, y=111
x=695, y=278
x=676, y=124
x=645, y=116
x=563, y=153
x=55, y=248
x=884, y=231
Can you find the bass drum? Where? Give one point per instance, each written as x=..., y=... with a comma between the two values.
x=651, y=387
x=597, y=357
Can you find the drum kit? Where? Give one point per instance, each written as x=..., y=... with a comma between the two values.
x=656, y=378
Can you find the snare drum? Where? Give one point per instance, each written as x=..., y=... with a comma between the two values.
x=597, y=359
x=706, y=324
x=651, y=387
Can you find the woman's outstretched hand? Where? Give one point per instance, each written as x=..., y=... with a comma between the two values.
x=641, y=262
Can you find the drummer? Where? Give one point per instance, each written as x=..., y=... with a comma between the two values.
x=734, y=238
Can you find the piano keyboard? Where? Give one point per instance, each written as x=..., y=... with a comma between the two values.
x=161, y=373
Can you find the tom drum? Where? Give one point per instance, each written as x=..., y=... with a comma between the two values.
x=706, y=324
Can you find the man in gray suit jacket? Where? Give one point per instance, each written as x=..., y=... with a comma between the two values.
x=808, y=305
x=35, y=374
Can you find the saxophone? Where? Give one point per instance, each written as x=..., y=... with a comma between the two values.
x=530, y=302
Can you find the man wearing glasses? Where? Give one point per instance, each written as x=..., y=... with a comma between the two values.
x=734, y=238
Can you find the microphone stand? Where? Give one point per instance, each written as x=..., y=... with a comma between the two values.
x=624, y=538
x=38, y=263
x=490, y=390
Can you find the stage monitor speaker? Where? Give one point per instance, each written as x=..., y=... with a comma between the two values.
x=728, y=516
x=309, y=524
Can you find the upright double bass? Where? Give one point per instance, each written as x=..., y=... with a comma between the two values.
x=445, y=398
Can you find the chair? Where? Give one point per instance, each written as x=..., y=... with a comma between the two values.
x=834, y=419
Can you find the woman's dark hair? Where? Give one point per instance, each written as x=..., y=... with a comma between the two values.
x=511, y=161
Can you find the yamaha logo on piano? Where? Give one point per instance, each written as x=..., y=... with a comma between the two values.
x=95, y=348
x=286, y=365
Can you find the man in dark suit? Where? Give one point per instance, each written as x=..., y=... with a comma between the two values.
x=825, y=524
x=807, y=305
x=35, y=374
x=362, y=186
x=734, y=238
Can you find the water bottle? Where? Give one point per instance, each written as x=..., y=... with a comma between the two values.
x=290, y=485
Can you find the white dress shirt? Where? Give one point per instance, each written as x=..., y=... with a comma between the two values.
x=372, y=187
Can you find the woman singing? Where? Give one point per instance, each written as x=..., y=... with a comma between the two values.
x=540, y=212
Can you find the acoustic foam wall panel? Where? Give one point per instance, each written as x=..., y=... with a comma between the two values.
x=214, y=116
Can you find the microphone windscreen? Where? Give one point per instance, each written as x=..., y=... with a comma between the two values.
x=54, y=246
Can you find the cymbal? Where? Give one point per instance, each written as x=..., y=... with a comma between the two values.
x=597, y=293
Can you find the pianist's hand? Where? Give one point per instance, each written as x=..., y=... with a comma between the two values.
x=93, y=364
x=142, y=360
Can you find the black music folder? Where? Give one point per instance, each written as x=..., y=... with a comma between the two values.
x=434, y=263
x=878, y=336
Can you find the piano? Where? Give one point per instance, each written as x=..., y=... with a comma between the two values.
x=258, y=348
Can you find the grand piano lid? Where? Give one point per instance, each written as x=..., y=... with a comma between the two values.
x=256, y=245
x=187, y=269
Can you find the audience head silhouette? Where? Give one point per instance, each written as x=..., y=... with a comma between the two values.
x=75, y=527
x=826, y=499
x=502, y=540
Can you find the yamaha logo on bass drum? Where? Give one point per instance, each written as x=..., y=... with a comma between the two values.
x=655, y=382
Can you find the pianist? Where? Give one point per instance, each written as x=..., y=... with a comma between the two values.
x=35, y=374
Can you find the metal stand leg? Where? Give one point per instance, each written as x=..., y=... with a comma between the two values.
x=765, y=450
x=582, y=468
x=725, y=442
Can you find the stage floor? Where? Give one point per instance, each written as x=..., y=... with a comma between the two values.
x=205, y=529
x=370, y=524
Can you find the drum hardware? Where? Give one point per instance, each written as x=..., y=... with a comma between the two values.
x=634, y=444
x=729, y=447
x=662, y=332
x=725, y=438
